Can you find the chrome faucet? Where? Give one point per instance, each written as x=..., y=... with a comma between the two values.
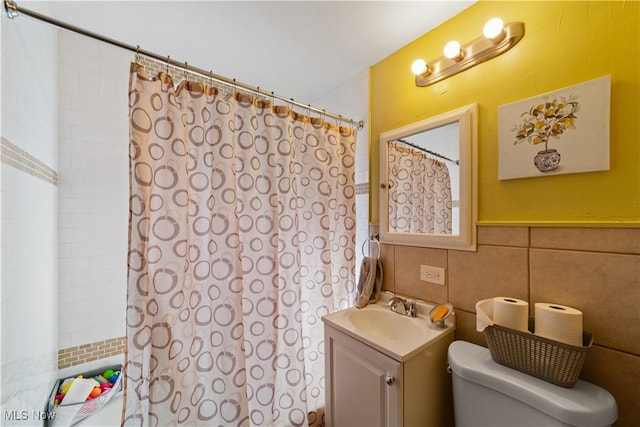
x=398, y=305
x=402, y=306
x=412, y=311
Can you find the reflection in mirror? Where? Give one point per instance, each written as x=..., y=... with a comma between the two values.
x=424, y=176
x=428, y=182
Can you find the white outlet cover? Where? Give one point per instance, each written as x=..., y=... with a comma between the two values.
x=432, y=274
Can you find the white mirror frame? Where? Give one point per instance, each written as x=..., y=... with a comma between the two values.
x=467, y=117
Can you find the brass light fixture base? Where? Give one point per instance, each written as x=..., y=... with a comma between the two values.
x=473, y=53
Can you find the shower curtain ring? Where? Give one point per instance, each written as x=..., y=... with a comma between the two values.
x=168, y=59
x=185, y=69
x=137, y=58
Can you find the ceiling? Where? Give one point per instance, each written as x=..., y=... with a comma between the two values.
x=297, y=49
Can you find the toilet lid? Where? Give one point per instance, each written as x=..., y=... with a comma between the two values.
x=585, y=404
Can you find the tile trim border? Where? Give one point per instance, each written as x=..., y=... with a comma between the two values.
x=16, y=157
x=71, y=356
x=362, y=188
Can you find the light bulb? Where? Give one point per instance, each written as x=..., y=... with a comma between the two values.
x=452, y=50
x=419, y=67
x=493, y=30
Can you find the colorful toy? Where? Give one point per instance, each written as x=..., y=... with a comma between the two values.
x=103, y=384
x=64, y=387
x=113, y=378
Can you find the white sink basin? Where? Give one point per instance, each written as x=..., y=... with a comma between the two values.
x=393, y=334
x=385, y=324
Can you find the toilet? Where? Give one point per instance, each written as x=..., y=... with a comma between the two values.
x=486, y=393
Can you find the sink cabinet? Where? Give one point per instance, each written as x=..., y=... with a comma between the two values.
x=365, y=387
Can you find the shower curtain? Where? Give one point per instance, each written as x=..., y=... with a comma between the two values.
x=419, y=192
x=242, y=235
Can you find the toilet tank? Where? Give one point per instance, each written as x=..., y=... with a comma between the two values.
x=488, y=394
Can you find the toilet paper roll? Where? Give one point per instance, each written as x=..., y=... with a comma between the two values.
x=514, y=313
x=559, y=323
x=511, y=313
x=484, y=314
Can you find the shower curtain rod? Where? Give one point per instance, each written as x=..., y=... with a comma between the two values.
x=433, y=153
x=12, y=9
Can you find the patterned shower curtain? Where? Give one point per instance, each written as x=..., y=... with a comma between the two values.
x=419, y=192
x=242, y=235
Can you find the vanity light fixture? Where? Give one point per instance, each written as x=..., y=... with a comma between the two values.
x=419, y=66
x=453, y=51
x=494, y=30
x=497, y=39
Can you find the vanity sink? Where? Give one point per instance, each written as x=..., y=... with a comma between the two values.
x=381, y=322
x=397, y=336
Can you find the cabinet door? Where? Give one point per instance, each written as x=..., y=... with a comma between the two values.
x=363, y=386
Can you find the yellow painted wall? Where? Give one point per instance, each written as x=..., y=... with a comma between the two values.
x=565, y=43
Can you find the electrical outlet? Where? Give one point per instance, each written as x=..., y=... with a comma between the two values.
x=432, y=274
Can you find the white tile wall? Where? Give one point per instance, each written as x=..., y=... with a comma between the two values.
x=29, y=291
x=29, y=87
x=94, y=190
x=29, y=296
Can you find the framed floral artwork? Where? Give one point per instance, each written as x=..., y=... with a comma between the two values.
x=560, y=132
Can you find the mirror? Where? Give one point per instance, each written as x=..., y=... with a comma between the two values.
x=428, y=180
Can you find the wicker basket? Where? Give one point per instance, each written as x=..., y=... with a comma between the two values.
x=552, y=361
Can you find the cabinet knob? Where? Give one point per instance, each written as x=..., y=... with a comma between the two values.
x=390, y=380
